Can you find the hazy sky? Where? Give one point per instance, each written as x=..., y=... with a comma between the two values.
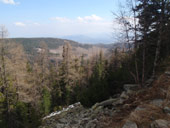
x=57, y=18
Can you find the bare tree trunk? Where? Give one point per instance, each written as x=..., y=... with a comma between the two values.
x=144, y=50
x=157, y=53
x=143, y=63
x=136, y=74
x=135, y=43
x=158, y=45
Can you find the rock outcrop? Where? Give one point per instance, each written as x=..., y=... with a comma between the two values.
x=76, y=116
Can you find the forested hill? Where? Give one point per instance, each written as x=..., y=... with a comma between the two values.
x=52, y=43
x=55, y=44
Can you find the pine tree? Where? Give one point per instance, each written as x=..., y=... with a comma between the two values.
x=153, y=18
x=68, y=74
x=46, y=101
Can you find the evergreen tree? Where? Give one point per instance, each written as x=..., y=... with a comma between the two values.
x=46, y=101
x=67, y=74
x=153, y=18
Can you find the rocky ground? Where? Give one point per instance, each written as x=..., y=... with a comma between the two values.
x=77, y=117
x=148, y=107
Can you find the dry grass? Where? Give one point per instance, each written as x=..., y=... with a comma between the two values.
x=147, y=115
x=159, y=90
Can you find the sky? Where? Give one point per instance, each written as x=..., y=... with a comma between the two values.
x=58, y=18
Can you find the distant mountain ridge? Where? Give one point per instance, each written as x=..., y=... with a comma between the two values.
x=104, y=39
x=30, y=44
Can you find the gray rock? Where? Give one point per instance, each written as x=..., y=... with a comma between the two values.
x=95, y=106
x=149, y=81
x=129, y=92
x=57, y=126
x=62, y=120
x=92, y=124
x=130, y=124
x=132, y=87
x=98, y=110
x=167, y=73
x=107, y=112
x=84, y=121
x=107, y=102
x=160, y=124
x=119, y=101
x=124, y=95
x=157, y=102
x=139, y=108
x=166, y=110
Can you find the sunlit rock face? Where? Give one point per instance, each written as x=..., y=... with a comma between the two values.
x=76, y=116
x=73, y=116
x=65, y=110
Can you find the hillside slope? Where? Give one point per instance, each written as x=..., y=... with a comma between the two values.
x=31, y=43
x=55, y=46
x=148, y=107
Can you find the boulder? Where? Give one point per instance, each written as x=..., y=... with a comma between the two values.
x=167, y=73
x=130, y=124
x=166, y=110
x=92, y=124
x=109, y=102
x=118, y=102
x=157, y=102
x=98, y=110
x=140, y=108
x=149, y=82
x=160, y=124
x=95, y=106
x=132, y=87
x=124, y=95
